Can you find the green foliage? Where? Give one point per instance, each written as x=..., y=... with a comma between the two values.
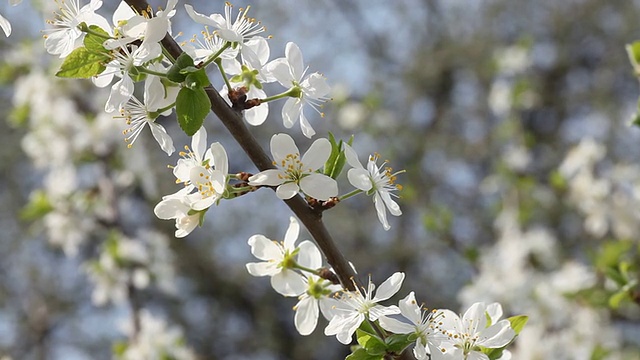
x=518, y=322
x=334, y=165
x=183, y=61
x=362, y=354
x=618, y=260
x=633, y=51
x=192, y=106
x=371, y=343
x=85, y=62
x=37, y=207
x=396, y=343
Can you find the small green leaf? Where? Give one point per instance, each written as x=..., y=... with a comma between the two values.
x=493, y=354
x=617, y=298
x=83, y=63
x=192, y=106
x=197, y=78
x=371, y=343
x=95, y=43
x=335, y=163
x=633, y=51
x=362, y=354
x=518, y=322
x=398, y=342
x=38, y=206
x=175, y=72
x=614, y=274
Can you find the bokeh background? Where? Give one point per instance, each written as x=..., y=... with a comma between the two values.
x=511, y=118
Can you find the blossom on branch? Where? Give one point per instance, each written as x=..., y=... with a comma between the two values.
x=296, y=174
x=375, y=180
x=66, y=36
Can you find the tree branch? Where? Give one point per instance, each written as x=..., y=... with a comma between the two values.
x=234, y=122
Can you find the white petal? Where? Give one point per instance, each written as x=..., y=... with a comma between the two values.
x=265, y=249
x=306, y=317
x=291, y=236
x=170, y=209
x=288, y=283
x=409, y=308
x=294, y=57
x=317, y=154
x=263, y=268
x=5, y=25
x=123, y=12
x=257, y=115
x=395, y=326
x=393, y=207
x=381, y=210
x=279, y=69
x=291, y=112
x=307, y=130
x=496, y=336
x=271, y=177
x=282, y=145
x=344, y=326
x=475, y=319
x=319, y=186
x=389, y=287
x=309, y=256
x=163, y=139
x=315, y=86
x=287, y=191
x=359, y=178
x=199, y=143
x=379, y=310
x=220, y=158
x=495, y=312
x=352, y=157
x=201, y=19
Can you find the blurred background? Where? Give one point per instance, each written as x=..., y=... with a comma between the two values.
x=511, y=118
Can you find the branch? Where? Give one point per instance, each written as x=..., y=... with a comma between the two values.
x=234, y=122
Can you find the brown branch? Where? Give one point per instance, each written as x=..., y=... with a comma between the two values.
x=234, y=122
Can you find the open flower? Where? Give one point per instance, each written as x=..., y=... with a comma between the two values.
x=139, y=114
x=65, y=36
x=280, y=258
x=375, y=180
x=465, y=337
x=177, y=206
x=317, y=298
x=289, y=71
x=354, y=307
x=295, y=174
x=420, y=323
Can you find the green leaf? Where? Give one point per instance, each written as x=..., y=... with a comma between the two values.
x=94, y=43
x=83, y=63
x=633, y=51
x=361, y=354
x=37, y=207
x=175, y=72
x=197, y=78
x=493, y=354
x=614, y=274
x=617, y=298
x=192, y=106
x=371, y=343
x=398, y=342
x=518, y=322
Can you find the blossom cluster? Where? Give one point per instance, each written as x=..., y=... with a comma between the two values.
x=297, y=271
x=128, y=49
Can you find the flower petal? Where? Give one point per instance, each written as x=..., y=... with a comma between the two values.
x=309, y=256
x=319, y=186
x=292, y=233
x=391, y=205
x=381, y=210
x=288, y=283
x=220, y=159
x=265, y=249
x=305, y=126
x=395, y=326
x=359, y=178
x=262, y=268
x=5, y=25
x=271, y=177
x=306, y=317
x=294, y=58
x=282, y=145
x=163, y=139
x=317, y=154
x=496, y=336
x=287, y=191
x=291, y=112
x=352, y=157
x=389, y=287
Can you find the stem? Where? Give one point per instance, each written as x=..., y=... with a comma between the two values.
x=233, y=121
x=143, y=69
x=353, y=193
x=218, y=62
x=279, y=96
x=215, y=56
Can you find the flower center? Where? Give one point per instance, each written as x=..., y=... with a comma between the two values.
x=293, y=168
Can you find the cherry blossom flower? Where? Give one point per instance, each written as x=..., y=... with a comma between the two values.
x=237, y=31
x=314, y=300
x=122, y=90
x=374, y=180
x=66, y=36
x=421, y=324
x=177, y=206
x=295, y=174
x=139, y=114
x=281, y=257
x=313, y=89
x=354, y=307
x=466, y=336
